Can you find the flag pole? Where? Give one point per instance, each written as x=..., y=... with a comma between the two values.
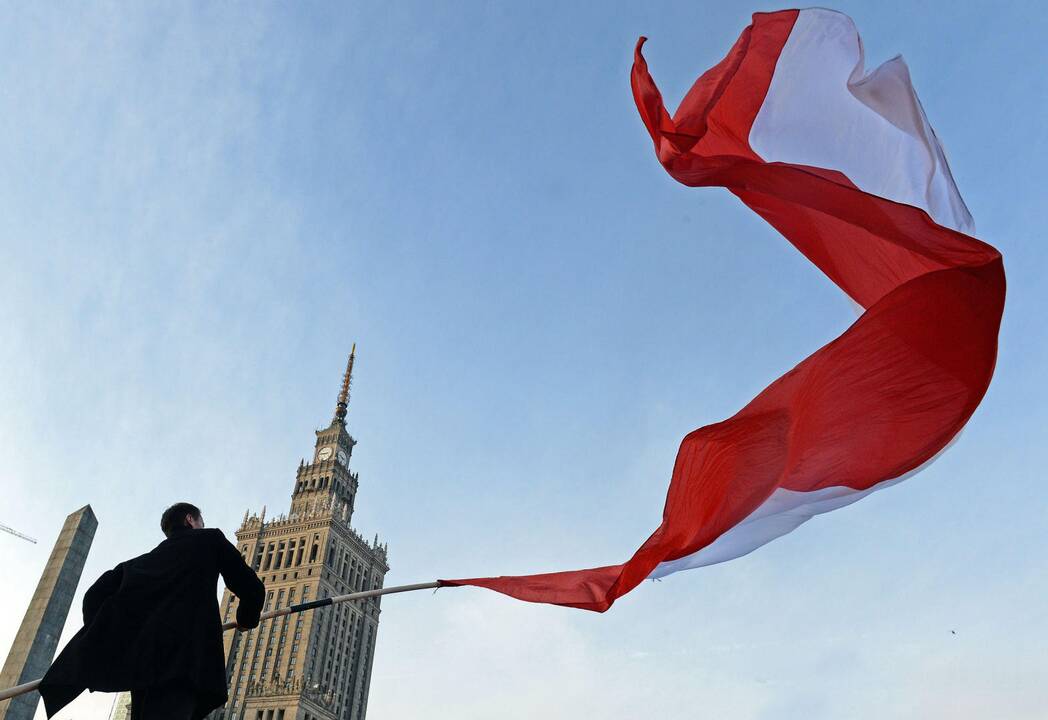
x=24, y=688
x=19, y=690
x=324, y=602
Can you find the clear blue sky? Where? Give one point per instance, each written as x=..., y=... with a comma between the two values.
x=202, y=206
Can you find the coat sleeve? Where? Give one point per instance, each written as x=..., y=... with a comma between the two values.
x=242, y=582
x=100, y=591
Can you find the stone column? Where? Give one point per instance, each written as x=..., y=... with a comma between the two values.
x=37, y=639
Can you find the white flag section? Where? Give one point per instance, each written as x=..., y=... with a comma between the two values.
x=782, y=513
x=823, y=110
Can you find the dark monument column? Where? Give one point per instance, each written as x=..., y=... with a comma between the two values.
x=37, y=639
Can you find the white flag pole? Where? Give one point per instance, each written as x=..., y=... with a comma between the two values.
x=19, y=690
x=324, y=602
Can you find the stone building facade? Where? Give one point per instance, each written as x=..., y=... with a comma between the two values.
x=313, y=665
x=121, y=706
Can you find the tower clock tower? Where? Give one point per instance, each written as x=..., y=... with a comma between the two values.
x=314, y=665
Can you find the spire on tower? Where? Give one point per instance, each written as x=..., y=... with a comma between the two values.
x=343, y=395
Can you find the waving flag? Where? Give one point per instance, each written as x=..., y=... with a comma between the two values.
x=846, y=166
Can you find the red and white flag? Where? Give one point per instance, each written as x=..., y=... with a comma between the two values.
x=846, y=166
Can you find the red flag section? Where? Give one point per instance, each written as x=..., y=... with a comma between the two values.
x=845, y=165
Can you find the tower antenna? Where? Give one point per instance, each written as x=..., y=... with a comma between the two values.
x=343, y=394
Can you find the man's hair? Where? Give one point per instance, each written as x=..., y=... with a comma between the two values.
x=175, y=516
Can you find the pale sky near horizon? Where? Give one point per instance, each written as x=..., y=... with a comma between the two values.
x=202, y=206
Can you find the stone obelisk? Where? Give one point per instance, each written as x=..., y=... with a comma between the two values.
x=37, y=639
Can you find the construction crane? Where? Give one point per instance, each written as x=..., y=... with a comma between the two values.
x=17, y=534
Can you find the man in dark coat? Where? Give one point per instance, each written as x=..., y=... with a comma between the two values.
x=152, y=625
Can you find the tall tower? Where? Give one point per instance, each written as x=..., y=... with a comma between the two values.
x=37, y=638
x=314, y=665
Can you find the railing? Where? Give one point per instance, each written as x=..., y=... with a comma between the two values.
x=24, y=688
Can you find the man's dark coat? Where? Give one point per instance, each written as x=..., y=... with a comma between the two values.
x=154, y=621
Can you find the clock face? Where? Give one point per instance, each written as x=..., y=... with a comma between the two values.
x=324, y=453
x=342, y=457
